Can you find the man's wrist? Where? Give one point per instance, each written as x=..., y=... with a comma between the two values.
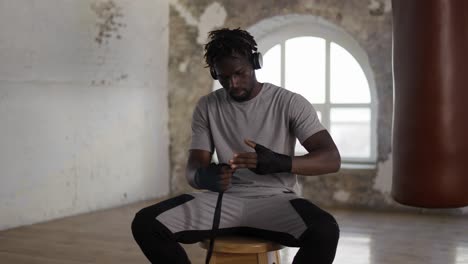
x=269, y=161
x=196, y=181
x=207, y=177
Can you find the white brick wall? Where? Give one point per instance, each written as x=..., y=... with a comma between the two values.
x=83, y=124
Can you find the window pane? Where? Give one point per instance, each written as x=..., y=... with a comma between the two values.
x=216, y=85
x=271, y=70
x=305, y=67
x=348, y=84
x=299, y=149
x=350, y=129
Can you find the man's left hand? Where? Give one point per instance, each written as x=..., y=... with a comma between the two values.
x=262, y=161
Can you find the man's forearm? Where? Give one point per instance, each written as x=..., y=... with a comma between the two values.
x=190, y=176
x=316, y=163
x=197, y=159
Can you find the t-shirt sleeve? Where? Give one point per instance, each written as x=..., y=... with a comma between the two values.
x=201, y=133
x=303, y=118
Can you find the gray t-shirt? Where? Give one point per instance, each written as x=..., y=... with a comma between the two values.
x=274, y=119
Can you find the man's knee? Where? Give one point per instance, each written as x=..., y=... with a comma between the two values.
x=326, y=231
x=141, y=223
x=144, y=223
x=320, y=225
x=331, y=230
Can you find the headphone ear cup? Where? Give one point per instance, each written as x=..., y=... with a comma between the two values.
x=257, y=60
x=213, y=73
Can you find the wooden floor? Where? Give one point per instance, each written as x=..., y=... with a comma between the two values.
x=366, y=237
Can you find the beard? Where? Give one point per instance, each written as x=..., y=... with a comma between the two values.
x=241, y=96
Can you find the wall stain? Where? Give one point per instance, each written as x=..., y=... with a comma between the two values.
x=3, y=97
x=119, y=78
x=376, y=8
x=122, y=77
x=107, y=12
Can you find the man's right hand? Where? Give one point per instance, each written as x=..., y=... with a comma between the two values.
x=215, y=177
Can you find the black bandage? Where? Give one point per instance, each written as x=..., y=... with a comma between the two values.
x=209, y=177
x=269, y=161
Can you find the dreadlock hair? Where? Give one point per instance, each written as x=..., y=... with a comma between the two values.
x=226, y=42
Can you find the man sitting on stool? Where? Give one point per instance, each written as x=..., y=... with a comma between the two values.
x=253, y=127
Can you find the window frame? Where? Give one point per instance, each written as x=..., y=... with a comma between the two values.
x=277, y=30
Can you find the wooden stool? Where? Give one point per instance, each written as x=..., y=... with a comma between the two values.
x=245, y=250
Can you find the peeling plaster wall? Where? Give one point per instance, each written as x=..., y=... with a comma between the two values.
x=369, y=22
x=83, y=106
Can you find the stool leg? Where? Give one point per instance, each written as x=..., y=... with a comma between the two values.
x=213, y=259
x=277, y=257
x=262, y=258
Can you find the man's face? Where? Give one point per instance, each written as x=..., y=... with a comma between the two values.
x=237, y=76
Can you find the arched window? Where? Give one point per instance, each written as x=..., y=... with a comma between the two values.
x=322, y=62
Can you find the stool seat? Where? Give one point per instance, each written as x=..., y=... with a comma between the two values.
x=231, y=249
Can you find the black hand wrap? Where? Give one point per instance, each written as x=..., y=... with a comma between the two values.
x=269, y=161
x=208, y=178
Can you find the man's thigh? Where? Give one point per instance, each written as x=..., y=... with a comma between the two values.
x=287, y=215
x=196, y=213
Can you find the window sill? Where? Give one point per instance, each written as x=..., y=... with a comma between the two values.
x=358, y=166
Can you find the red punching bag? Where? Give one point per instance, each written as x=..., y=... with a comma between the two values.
x=430, y=129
